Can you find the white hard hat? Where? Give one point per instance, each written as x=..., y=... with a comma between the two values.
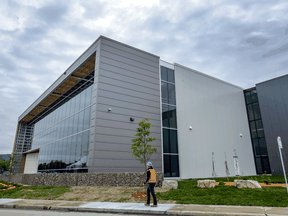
x=149, y=164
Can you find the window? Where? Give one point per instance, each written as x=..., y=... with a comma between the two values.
x=169, y=120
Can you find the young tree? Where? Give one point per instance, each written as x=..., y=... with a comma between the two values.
x=141, y=149
x=12, y=163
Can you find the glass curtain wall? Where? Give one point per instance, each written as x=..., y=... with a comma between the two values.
x=63, y=135
x=257, y=132
x=169, y=123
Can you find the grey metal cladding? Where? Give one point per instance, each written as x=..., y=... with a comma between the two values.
x=122, y=104
x=129, y=80
x=127, y=98
x=128, y=83
x=128, y=91
x=62, y=78
x=273, y=102
x=128, y=112
x=128, y=55
x=127, y=66
x=123, y=132
x=127, y=73
x=123, y=118
x=130, y=51
x=131, y=62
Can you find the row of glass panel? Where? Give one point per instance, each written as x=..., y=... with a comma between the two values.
x=72, y=125
x=74, y=105
x=167, y=74
x=251, y=96
x=259, y=145
x=169, y=120
x=257, y=132
x=254, y=111
x=69, y=153
x=262, y=165
x=171, y=165
x=169, y=116
x=168, y=93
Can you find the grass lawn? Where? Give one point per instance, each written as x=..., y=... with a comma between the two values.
x=34, y=192
x=189, y=193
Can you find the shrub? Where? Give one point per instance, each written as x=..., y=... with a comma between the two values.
x=221, y=183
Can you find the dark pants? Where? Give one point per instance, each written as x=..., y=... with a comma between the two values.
x=150, y=188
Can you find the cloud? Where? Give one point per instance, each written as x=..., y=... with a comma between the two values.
x=232, y=41
x=257, y=41
x=282, y=49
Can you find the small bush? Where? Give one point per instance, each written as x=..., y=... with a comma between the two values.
x=221, y=183
x=3, y=187
x=11, y=183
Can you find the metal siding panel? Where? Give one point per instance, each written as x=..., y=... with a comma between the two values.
x=116, y=147
x=130, y=86
x=129, y=92
x=217, y=113
x=129, y=73
x=124, y=118
x=273, y=99
x=127, y=163
x=126, y=98
x=121, y=132
x=127, y=125
x=114, y=104
x=129, y=80
x=130, y=50
x=128, y=61
x=115, y=155
x=125, y=111
x=126, y=66
x=128, y=55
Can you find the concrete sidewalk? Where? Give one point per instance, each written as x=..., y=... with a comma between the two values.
x=140, y=208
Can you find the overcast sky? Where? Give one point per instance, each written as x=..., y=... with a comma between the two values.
x=242, y=42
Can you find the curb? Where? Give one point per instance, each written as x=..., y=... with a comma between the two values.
x=127, y=211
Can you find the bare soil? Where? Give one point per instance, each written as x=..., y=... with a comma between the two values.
x=112, y=194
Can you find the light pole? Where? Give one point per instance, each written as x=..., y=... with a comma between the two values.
x=280, y=147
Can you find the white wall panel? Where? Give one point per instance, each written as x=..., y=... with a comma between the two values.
x=216, y=111
x=31, y=164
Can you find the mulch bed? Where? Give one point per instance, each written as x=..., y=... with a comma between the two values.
x=9, y=187
x=141, y=195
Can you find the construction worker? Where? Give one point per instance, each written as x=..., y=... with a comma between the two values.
x=151, y=180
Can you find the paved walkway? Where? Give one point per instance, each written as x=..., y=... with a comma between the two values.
x=136, y=208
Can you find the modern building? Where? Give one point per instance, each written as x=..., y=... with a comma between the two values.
x=84, y=121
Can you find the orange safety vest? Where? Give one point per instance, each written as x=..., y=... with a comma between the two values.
x=152, y=178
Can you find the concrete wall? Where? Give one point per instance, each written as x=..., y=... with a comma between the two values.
x=31, y=164
x=83, y=179
x=273, y=102
x=128, y=83
x=216, y=111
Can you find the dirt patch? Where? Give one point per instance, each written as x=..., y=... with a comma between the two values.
x=111, y=194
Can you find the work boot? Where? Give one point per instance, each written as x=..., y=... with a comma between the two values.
x=153, y=205
x=147, y=204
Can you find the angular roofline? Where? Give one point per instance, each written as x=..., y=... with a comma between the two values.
x=203, y=74
x=61, y=79
x=280, y=77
